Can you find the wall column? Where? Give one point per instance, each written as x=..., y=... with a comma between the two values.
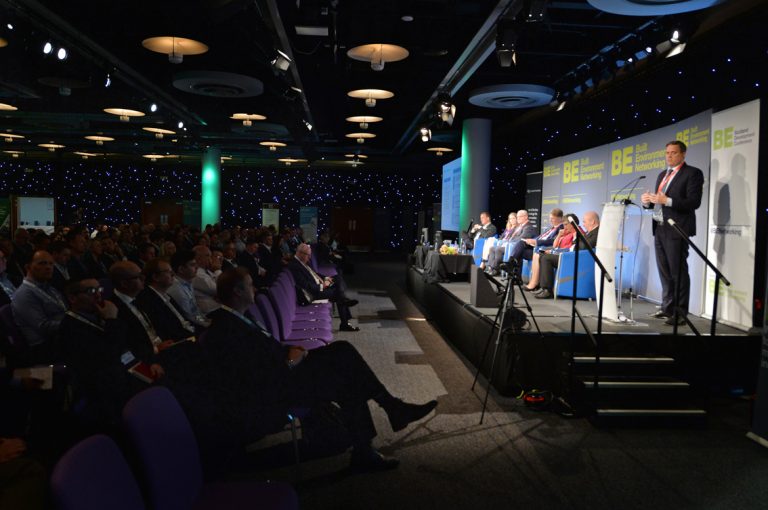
x=475, y=170
x=210, y=187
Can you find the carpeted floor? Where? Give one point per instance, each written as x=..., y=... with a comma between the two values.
x=518, y=458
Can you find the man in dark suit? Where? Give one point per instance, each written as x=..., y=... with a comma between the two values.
x=61, y=255
x=93, y=343
x=482, y=230
x=524, y=230
x=549, y=261
x=261, y=379
x=249, y=258
x=526, y=246
x=317, y=286
x=141, y=337
x=163, y=312
x=677, y=196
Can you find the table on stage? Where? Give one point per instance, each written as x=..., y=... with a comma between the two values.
x=446, y=267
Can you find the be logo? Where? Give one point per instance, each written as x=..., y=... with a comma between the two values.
x=722, y=138
x=622, y=160
x=571, y=171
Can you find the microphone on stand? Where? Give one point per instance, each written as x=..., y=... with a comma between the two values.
x=634, y=183
x=627, y=200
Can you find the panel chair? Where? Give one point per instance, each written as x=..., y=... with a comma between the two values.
x=170, y=459
x=566, y=270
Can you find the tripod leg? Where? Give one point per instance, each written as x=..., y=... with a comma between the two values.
x=503, y=310
x=485, y=350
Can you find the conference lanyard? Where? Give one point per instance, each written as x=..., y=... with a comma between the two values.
x=84, y=320
x=668, y=179
x=51, y=298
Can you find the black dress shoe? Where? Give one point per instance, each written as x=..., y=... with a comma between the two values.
x=348, y=327
x=660, y=315
x=369, y=460
x=535, y=289
x=544, y=294
x=350, y=302
x=671, y=321
x=400, y=413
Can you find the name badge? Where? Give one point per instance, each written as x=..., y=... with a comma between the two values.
x=127, y=358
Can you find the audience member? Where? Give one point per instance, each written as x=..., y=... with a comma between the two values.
x=94, y=261
x=315, y=286
x=76, y=265
x=184, y=265
x=263, y=379
x=7, y=288
x=249, y=259
x=61, y=254
x=146, y=252
x=204, y=282
x=160, y=308
x=38, y=309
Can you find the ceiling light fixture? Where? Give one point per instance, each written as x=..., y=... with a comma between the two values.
x=86, y=155
x=360, y=137
x=247, y=118
x=153, y=107
x=378, y=54
x=289, y=161
x=281, y=62
x=7, y=107
x=62, y=54
x=272, y=145
x=426, y=134
x=446, y=110
x=506, y=38
x=47, y=48
x=159, y=132
x=439, y=151
x=124, y=113
x=174, y=47
x=9, y=137
x=108, y=82
x=14, y=154
x=675, y=37
x=181, y=125
x=370, y=95
x=99, y=139
x=51, y=146
x=364, y=120
x=307, y=124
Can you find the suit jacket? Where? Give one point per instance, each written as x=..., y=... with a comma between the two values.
x=59, y=281
x=136, y=337
x=591, y=239
x=547, y=238
x=685, y=190
x=226, y=265
x=528, y=232
x=268, y=261
x=94, y=357
x=485, y=232
x=252, y=263
x=167, y=325
x=304, y=279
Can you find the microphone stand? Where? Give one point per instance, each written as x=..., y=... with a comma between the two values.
x=627, y=201
x=596, y=340
x=718, y=277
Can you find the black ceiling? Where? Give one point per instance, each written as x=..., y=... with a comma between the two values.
x=445, y=38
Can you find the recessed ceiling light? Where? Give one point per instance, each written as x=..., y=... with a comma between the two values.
x=407, y=18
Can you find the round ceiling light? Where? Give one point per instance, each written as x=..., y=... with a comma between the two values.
x=86, y=155
x=360, y=137
x=7, y=107
x=159, y=132
x=174, y=47
x=124, y=113
x=100, y=139
x=370, y=95
x=440, y=150
x=9, y=137
x=378, y=54
x=359, y=156
x=511, y=96
x=364, y=120
x=247, y=118
x=14, y=154
x=290, y=161
x=272, y=145
x=51, y=146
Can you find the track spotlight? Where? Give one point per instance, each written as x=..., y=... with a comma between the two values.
x=536, y=11
x=108, y=81
x=181, y=124
x=561, y=106
x=47, y=48
x=281, y=62
x=61, y=54
x=446, y=110
x=675, y=37
x=505, y=46
x=308, y=125
x=426, y=134
x=153, y=107
x=9, y=26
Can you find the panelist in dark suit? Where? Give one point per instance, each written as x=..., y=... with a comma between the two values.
x=482, y=230
x=676, y=196
x=526, y=246
x=548, y=262
x=318, y=286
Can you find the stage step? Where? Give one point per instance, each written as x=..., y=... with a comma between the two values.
x=625, y=364
x=660, y=360
x=643, y=390
x=649, y=416
x=635, y=384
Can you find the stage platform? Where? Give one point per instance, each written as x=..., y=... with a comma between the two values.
x=526, y=360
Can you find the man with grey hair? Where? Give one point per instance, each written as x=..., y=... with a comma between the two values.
x=524, y=229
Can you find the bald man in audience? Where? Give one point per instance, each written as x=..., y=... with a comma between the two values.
x=38, y=308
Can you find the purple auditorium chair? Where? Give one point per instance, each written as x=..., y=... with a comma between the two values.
x=296, y=330
x=94, y=475
x=324, y=269
x=288, y=294
x=264, y=306
x=287, y=281
x=170, y=459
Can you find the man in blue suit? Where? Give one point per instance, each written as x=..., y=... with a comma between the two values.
x=677, y=196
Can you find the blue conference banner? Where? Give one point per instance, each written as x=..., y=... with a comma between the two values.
x=308, y=223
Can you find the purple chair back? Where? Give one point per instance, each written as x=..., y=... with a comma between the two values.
x=255, y=311
x=167, y=448
x=283, y=310
x=288, y=276
x=94, y=475
x=264, y=306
